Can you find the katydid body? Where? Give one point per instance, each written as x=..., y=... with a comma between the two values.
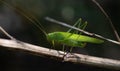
x=72, y=39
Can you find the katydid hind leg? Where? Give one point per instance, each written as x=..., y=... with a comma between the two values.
x=83, y=26
x=76, y=24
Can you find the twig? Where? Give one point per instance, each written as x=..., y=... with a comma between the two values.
x=106, y=15
x=8, y=35
x=85, y=32
x=70, y=57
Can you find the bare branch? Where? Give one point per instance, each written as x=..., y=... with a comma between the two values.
x=70, y=57
x=85, y=32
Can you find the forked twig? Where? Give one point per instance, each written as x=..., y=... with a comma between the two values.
x=106, y=15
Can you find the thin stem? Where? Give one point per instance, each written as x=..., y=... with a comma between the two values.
x=8, y=35
x=106, y=15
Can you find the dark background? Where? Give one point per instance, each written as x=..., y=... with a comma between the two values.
x=68, y=11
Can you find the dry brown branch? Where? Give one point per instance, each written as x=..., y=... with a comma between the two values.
x=74, y=57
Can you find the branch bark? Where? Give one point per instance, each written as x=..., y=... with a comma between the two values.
x=70, y=57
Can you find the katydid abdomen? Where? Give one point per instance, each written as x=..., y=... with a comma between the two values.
x=72, y=39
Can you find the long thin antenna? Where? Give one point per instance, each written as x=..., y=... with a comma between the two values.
x=106, y=15
x=30, y=17
x=85, y=32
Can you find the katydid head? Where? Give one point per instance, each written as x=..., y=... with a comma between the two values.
x=55, y=36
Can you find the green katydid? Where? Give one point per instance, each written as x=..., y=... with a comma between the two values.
x=72, y=39
x=67, y=38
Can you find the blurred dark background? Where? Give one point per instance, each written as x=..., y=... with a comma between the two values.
x=68, y=11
